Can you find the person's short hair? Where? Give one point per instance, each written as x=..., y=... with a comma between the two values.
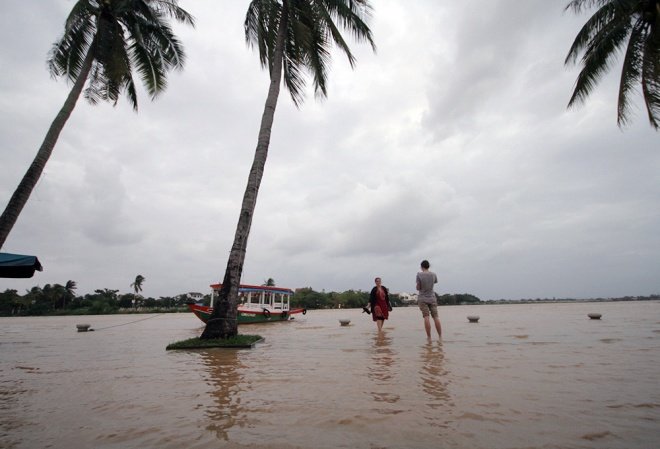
x=426, y=264
x=376, y=279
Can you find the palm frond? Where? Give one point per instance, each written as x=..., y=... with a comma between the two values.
x=170, y=8
x=150, y=68
x=579, y=5
x=630, y=70
x=598, y=55
x=651, y=75
x=67, y=54
x=352, y=15
x=633, y=25
x=261, y=23
x=308, y=48
x=336, y=36
x=95, y=86
x=312, y=27
x=606, y=17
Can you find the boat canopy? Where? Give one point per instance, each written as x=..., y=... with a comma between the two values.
x=18, y=265
x=244, y=288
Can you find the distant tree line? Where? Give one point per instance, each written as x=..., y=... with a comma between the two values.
x=310, y=299
x=653, y=297
x=59, y=299
x=56, y=299
x=457, y=299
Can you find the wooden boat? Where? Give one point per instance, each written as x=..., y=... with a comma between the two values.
x=259, y=304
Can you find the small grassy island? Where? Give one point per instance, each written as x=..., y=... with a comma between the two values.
x=239, y=341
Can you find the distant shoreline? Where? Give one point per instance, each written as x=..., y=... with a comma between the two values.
x=569, y=300
x=545, y=301
x=160, y=310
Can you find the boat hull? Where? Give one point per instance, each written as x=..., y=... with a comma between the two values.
x=248, y=316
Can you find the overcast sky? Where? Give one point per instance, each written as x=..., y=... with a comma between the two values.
x=452, y=143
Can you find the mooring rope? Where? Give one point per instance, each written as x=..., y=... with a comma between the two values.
x=130, y=322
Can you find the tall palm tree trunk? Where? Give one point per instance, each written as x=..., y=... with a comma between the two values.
x=33, y=173
x=223, y=322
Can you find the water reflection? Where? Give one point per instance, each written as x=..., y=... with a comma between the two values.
x=433, y=375
x=380, y=369
x=226, y=381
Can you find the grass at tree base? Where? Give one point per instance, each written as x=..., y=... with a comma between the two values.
x=238, y=341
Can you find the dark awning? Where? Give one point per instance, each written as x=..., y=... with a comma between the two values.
x=18, y=266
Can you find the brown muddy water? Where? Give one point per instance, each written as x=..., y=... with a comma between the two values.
x=525, y=376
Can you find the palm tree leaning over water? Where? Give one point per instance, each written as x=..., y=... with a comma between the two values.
x=104, y=41
x=292, y=36
x=628, y=26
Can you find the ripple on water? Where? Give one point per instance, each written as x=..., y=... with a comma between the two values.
x=610, y=340
x=597, y=435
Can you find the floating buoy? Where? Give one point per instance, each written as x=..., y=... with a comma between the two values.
x=83, y=327
x=344, y=322
x=594, y=316
x=473, y=318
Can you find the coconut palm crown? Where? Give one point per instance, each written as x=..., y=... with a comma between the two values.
x=137, y=284
x=121, y=36
x=628, y=27
x=312, y=27
x=104, y=42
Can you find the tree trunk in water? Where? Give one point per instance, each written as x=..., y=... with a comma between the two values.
x=33, y=173
x=223, y=321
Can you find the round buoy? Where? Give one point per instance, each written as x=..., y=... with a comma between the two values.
x=473, y=319
x=595, y=316
x=83, y=327
x=344, y=322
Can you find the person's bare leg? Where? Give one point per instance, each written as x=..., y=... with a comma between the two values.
x=427, y=326
x=438, y=327
x=379, y=323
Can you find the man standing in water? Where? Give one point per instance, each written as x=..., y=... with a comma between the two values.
x=426, y=299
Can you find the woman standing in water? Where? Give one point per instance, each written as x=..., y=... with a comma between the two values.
x=379, y=300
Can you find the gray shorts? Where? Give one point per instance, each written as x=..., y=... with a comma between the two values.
x=429, y=309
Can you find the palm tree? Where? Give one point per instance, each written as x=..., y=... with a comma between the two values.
x=628, y=26
x=104, y=41
x=293, y=37
x=137, y=287
x=137, y=284
x=69, y=291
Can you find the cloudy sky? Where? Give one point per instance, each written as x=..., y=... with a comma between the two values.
x=452, y=143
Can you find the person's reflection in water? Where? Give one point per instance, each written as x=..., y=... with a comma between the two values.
x=226, y=383
x=434, y=382
x=380, y=369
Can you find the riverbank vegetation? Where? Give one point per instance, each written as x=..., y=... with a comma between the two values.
x=56, y=299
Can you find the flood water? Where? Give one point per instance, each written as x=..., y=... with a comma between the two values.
x=525, y=376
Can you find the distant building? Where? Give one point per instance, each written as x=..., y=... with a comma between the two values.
x=408, y=298
x=195, y=296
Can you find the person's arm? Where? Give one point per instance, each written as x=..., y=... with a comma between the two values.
x=418, y=283
x=372, y=297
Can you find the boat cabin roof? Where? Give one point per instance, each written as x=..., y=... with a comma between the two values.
x=245, y=288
